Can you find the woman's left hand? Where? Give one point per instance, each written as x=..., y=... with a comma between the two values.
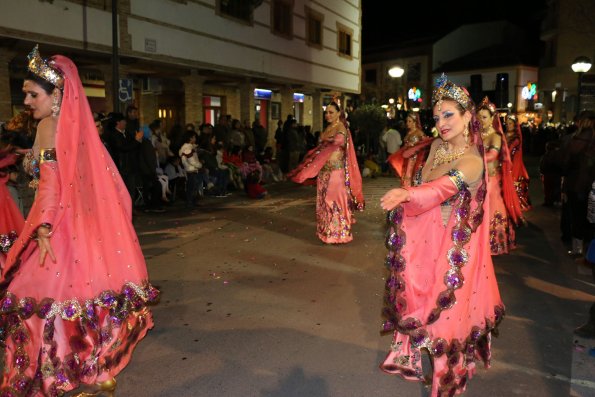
x=393, y=198
x=45, y=248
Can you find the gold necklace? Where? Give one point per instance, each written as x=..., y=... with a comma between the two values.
x=443, y=155
x=487, y=133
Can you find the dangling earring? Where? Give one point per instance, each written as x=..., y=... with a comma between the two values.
x=466, y=134
x=55, y=106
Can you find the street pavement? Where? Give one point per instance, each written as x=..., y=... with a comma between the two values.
x=253, y=304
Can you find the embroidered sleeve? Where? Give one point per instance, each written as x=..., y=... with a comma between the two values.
x=457, y=178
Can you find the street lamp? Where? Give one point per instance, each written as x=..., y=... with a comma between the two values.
x=580, y=65
x=397, y=71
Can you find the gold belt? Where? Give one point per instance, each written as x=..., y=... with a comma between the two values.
x=47, y=155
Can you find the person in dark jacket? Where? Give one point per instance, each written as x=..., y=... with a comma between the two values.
x=147, y=164
x=124, y=150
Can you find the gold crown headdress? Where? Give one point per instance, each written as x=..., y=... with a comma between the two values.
x=42, y=68
x=337, y=100
x=486, y=104
x=446, y=89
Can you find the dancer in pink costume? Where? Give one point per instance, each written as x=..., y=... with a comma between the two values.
x=520, y=176
x=75, y=287
x=339, y=185
x=442, y=302
x=11, y=219
x=505, y=208
x=406, y=154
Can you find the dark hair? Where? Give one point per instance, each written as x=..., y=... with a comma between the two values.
x=335, y=105
x=7, y=137
x=188, y=135
x=115, y=117
x=485, y=107
x=155, y=124
x=130, y=108
x=43, y=83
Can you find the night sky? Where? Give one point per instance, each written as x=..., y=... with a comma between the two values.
x=385, y=22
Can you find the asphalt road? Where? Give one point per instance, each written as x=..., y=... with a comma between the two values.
x=254, y=305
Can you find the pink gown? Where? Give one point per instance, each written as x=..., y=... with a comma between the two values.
x=78, y=319
x=339, y=188
x=520, y=176
x=441, y=293
x=504, y=206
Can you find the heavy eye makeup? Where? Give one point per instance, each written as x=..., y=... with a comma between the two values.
x=446, y=114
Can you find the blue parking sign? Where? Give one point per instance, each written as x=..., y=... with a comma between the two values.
x=125, y=90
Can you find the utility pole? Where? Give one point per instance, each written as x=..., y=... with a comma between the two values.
x=115, y=60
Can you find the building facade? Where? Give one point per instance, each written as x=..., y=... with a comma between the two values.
x=490, y=59
x=568, y=31
x=193, y=60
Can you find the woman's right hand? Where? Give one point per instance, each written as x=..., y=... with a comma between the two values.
x=393, y=198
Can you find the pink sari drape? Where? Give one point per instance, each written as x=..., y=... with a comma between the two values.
x=441, y=293
x=520, y=176
x=339, y=187
x=504, y=205
x=407, y=159
x=76, y=320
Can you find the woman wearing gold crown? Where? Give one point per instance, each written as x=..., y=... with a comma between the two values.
x=442, y=302
x=520, y=176
x=415, y=145
x=74, y=291
x=505, y=209
x=339, y=184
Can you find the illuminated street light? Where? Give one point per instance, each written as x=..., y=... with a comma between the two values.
x=397, y=71
x=580, y=65
x=391, y=100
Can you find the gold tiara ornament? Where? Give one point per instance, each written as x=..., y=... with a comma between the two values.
x=486, y=104
x=446, y=89
x=40, y=67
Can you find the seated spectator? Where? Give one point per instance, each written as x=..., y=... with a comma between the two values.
x=147, y=162
x=270, y=168
x=195, y=175
x=217, y=178
x=249, y=163
x=175, y=174
x=233, y=160
x=160, y=142
x=164, y=182
x=253, y=187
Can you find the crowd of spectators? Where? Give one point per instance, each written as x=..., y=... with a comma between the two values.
x=161, y=167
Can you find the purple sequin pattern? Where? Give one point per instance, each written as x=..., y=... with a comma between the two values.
x=7, y=240
x=395, y=284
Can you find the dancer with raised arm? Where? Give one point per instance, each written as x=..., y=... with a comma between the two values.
x=442, y=302
x=339, y=184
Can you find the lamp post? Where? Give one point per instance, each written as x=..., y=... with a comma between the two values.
x=397, y=72
x=580, y=65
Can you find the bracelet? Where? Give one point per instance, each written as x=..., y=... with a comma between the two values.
x=47, y=226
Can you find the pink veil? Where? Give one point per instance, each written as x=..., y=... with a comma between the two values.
x=509, y=194
x=94, y=202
